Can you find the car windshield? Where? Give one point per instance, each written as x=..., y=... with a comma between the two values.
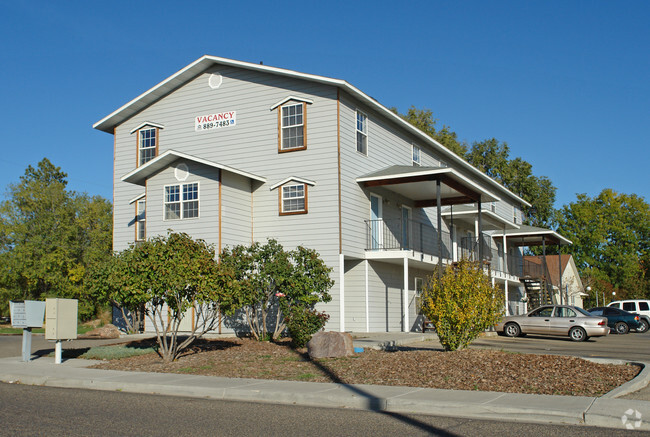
x=583, y=312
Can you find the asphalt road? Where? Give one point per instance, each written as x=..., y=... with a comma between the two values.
x=30, y=410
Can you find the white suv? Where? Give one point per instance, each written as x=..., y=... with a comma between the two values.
x=641, y=307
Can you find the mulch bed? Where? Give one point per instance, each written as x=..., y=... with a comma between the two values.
x=469, y=369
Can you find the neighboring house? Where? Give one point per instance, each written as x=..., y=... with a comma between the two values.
x=234, y=152
x=572, y=289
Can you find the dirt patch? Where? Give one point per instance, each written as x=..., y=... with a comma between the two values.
x=470, y=369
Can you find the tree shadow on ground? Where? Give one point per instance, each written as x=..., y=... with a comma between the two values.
x=374, y=403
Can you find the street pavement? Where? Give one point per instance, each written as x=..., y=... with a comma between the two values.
x=610, y=410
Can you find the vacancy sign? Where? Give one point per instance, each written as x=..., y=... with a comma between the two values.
x=214, y=121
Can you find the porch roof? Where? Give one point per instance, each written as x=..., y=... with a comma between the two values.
x=142, y=173
x=531, y=236
x=415, y=183
x=467, y=214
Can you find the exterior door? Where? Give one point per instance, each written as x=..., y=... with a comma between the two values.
x=406, y=227
x=376, y=222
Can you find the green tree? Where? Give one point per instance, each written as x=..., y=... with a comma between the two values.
x=493, y=158
x=173, y=277
x=611, y=240
x=275, y=281
x=49, y=236
x=462, y=304
x=423, y=120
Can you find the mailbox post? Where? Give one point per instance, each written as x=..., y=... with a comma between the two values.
x=27, y=314
x=61, y=323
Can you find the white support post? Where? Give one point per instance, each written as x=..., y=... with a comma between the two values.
x=367, y=303
x=505, y=253
x=341, y=293
x=57, y=352
x=405, y=328
x=505, y=290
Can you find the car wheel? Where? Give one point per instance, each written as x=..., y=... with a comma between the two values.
x=621, y=328
x=512, y=330
x=644, y=326
x=577, y=334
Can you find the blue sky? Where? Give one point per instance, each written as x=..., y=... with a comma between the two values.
x=565, y=84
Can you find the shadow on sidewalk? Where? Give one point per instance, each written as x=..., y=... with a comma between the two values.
x=374, y=403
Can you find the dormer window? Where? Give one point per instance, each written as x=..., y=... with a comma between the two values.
x=147, y=138
x=292, y=195
x=292, y=131
x=294, y=199
x=147, y=144
x=292, y=123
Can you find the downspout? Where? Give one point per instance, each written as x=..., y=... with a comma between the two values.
x=438, y=206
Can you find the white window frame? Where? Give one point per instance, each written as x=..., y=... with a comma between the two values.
x=140, y=219
x=514, y=214
x=182, y=201
x=303, y=117
x=141, y=140
x=416, y=155
x=304, y=196
x=417, y=293
x=363, y=131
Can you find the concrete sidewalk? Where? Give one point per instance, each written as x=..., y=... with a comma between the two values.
x=605, y=411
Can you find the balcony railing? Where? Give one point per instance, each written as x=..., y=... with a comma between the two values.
x=398, y=234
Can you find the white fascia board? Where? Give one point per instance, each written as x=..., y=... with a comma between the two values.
x=147, y=123
x=446, y=170
x=169, y=156
x=527, y=233
x=286, y=99
x=136, y=198
x=490, y=214
x=206, y=61
x=284, y=181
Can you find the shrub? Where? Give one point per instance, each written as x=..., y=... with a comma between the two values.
x=304, y=322
x=462, y=304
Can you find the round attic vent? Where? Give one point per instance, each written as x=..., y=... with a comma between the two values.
x=181, y=172
x=215, y=81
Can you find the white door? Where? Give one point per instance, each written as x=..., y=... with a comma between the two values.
x=376, y=223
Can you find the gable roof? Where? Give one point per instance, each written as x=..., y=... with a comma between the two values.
x=180, y=78
x=140, y=174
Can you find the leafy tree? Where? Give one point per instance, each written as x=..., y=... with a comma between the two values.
x=462, y=304
x=173, y=277
x=423, y=120
x=275, y=281
x=493, y=158
x=49, y=236
x=611, y=241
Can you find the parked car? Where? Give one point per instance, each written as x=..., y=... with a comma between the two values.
x=638, y=306
x=575, y=322
x=618, y=320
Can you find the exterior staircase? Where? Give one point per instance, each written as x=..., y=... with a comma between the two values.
x=537, y=292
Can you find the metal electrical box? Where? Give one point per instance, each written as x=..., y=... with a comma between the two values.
x=27, y=313
x=61, y=319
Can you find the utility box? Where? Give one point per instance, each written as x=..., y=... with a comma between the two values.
x=27, y=313
x=61, y=319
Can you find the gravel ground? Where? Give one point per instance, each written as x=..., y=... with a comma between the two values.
x=469, y=369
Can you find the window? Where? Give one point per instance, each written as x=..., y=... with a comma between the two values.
x=629, y=306
x=181, y=201
x=564, y=312
x=362, y=133
x=416, y=155
x=643, y=306
x=292, y=127
x=147, y=144
x=140, y=215
x=515, y=214
x=293, y=199
x=419, y=285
